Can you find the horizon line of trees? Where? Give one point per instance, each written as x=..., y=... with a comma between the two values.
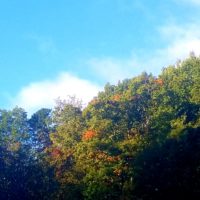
x=139, y=139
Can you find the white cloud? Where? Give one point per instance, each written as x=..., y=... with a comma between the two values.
x=112, y=69
x=180, y=49
x=176, y=32
x=180, y=41
x=44, y=93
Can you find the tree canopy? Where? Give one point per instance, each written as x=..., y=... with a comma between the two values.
x=139, y=139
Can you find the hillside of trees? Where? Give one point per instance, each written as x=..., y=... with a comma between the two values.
x=137, y=140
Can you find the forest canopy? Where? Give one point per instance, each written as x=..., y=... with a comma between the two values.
x=139, y=139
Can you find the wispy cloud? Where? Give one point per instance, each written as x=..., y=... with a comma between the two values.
x=113, y=69
x=189, y=2
x=43, y=94
x=180, y=41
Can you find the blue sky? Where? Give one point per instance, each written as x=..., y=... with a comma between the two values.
x=51, y=49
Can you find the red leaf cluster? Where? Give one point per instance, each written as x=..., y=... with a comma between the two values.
x=56, y=152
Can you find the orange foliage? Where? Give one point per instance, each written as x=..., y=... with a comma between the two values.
x=103, y=156
x=113, y=158
x=89, y=135
x=116, y=97
x=94, y=101
x=159, y=81
x=118, y=172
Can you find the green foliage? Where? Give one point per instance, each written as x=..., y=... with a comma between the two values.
x=40, y=125
x=22, y=176
x=138, y=139
x=170, y=170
